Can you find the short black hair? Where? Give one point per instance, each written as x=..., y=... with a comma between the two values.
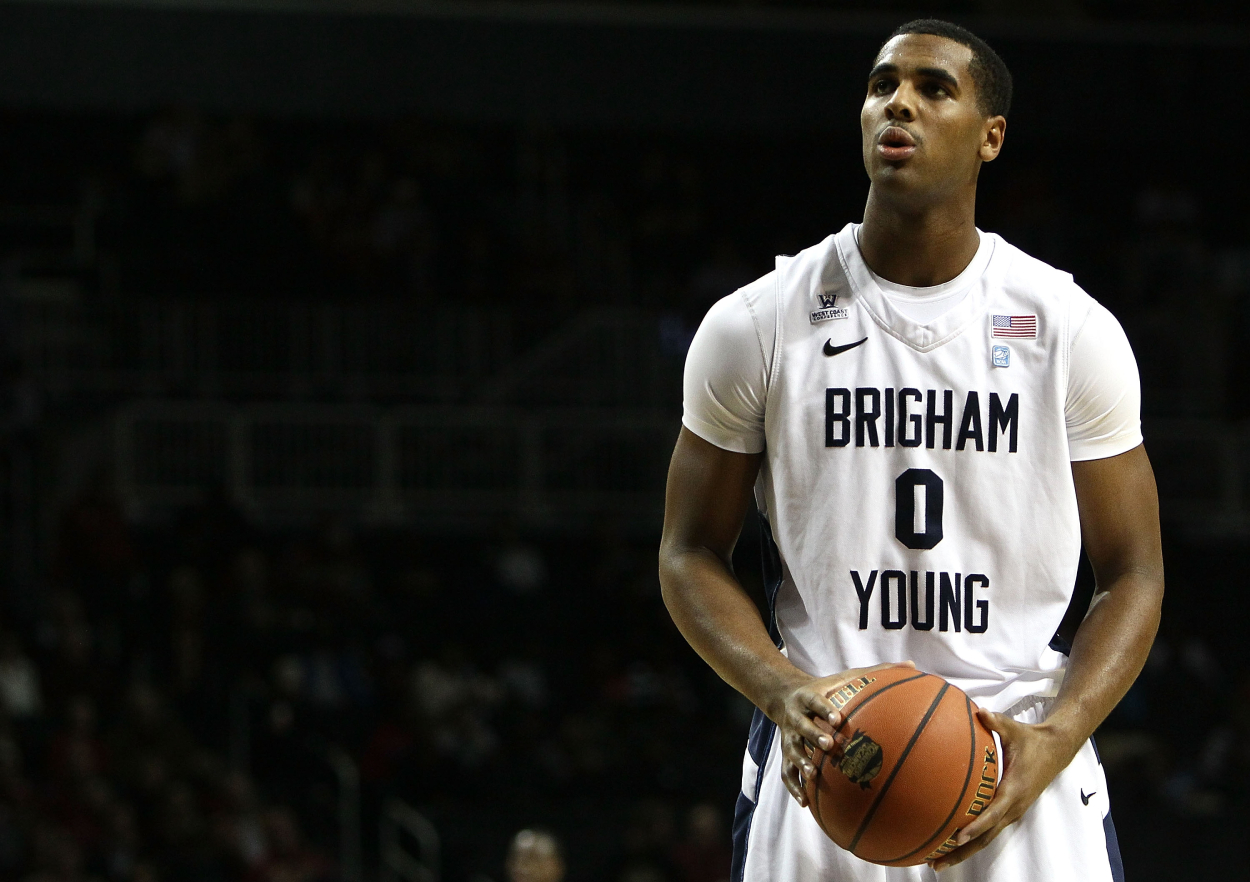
x=992, y=78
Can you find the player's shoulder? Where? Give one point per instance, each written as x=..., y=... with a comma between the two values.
x=1029, y=285
x=817, y=261
x=1029, y=277
x=760, y=295
x=753, y=304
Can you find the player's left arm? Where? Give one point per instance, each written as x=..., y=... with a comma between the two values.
x=1119, y=510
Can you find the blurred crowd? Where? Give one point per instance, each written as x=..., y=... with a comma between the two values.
x=175, y=697
x=173, y=711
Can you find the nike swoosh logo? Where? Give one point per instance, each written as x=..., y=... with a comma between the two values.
x=830, y=349
x=1085, y=796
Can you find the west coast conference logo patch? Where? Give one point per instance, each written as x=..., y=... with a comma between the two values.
x=861, y=759
x=829, y=309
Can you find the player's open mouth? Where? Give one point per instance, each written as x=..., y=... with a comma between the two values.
x=895, y=144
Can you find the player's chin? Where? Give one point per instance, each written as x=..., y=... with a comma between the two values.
x=902, y=170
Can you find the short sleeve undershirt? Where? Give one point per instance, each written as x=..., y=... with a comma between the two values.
x=727, y=366
x=924, y=305
x=727, y=370
x=1103, y=406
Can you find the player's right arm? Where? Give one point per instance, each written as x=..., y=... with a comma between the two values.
x=709, y=491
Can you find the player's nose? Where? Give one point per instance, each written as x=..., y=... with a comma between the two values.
x=901, y=104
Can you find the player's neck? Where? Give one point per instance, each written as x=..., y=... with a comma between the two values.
x=921, y=247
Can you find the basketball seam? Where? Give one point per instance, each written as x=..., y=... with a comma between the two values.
x=883, y=689
x=820, y=769
x=845, y=719
x=825, y=755
x=876, y=803
x=972, y=759
x=816, y=788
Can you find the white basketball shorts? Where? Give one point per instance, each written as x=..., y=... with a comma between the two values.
x=1066, y=836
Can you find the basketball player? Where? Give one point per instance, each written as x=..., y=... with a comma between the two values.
x=932, y=422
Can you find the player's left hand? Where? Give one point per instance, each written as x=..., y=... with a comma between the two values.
x=1032, y=755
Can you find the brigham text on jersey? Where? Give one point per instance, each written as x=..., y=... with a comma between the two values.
x=885, y=417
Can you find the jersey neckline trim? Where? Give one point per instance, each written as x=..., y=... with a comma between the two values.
x=921, y=337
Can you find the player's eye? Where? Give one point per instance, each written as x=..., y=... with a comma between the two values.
x=882, y=87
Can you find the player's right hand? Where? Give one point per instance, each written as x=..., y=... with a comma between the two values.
x=800, y=736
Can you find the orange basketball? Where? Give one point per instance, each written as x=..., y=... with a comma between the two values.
x=913, y=764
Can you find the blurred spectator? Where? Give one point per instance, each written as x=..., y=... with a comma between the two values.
x=150, y=746
x=704, y=854
x=20, y=694
x=97, y=554
x=288, y=857
x=68, y=641
x=519, y=565
x=649, y=841
x=57, y=857
x=456, y=702
x=77, y=752
x=239, y=823
x=200, y=159
x=187, y=649
x=535, y=856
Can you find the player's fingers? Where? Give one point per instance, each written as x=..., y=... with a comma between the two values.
x=964, y=852
x=1002, y=811
x=986, y=821
x=794, y=752
x=821, y=706
x=972, y=845
x=811, y=733
x=795, y=785
x=1005, y=726
x=790, y=773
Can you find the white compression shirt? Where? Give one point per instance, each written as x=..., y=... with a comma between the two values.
x=923, y=305
x=729, y=362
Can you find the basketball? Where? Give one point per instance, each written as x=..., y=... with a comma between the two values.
x=912, y=765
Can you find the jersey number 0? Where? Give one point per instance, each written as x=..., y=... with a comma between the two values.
x=908, y=488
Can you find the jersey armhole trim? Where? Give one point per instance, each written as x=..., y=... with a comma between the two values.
x=774, y=363
x=1070, y=338
x=759, y=341
x=1065, y=361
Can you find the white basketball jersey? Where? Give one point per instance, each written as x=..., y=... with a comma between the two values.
x=917, y=479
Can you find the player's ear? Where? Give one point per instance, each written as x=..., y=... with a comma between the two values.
x=992, y=139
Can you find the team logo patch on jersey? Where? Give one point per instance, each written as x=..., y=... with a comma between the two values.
x=861, y=759
x=1021, y=326
x=829, y=309
x=1002, y=356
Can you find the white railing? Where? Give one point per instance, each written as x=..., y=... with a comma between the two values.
x=386, y=350
x=250, y=348
x=401, y=826
x=472, y=465
x=285, y=462
x=347, y=774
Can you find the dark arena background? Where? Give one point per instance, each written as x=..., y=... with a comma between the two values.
x=342, y=344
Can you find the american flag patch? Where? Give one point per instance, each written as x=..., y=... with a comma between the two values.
x=1014, y=326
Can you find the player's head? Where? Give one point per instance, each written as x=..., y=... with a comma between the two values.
x=935, y=110
x=535, y=856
